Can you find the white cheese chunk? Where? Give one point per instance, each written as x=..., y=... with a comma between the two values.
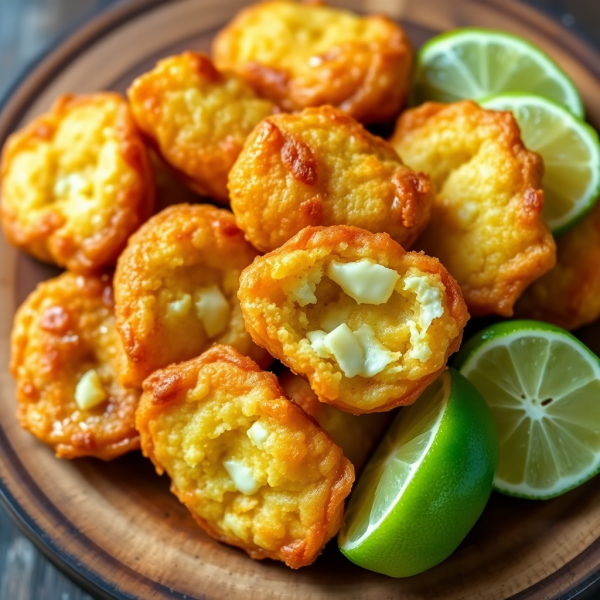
x=302, y=291
x=357, y=353
x=73, y=186
x=212, y=309
x=257, y=434
x=179, y=308
x=89, y=391
x=364, y=280
x=429, y=298
x=242, y=477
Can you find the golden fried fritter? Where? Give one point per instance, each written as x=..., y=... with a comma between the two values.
x=356, y=435
x=65, y=348
x=302, y=55
x=175, y=289
x=369, y=324
x=321, y=167
x=252, y=467
x=486, y=225
x=76, y=182
x=197, y=118
x=569, y=295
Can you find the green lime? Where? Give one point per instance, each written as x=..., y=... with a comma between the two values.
x=543, y=387
x=571, y=152
x=476, y=63
x=427, y=483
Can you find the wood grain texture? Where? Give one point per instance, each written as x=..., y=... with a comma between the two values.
x=117, y=525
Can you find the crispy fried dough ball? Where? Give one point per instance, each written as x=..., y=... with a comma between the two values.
x=252, y=467
x=369, y=324
x=486, y=226
x=569, y=294
x=197, y=118
x=356, y=435
x=175, y=289
x=302, y=55
x=321, y=167
x=64, y=352
x=76, y=183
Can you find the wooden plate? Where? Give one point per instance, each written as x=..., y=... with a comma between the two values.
x=115, y=527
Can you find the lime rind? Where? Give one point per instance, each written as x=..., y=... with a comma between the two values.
x=444, y=48
x=427, y=419
x=588, y=141
x=575, y=456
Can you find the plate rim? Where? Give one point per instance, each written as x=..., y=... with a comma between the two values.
x=35, y=75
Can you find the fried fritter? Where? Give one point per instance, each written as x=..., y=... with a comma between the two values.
x=321, y=167
x=369, y=324
x=65, y=348
x=76, y=183
x=302, y=55
x=569, y=295
x=197, y=118
x=356, y=435
x=486, y=226
x=252, y=467
x=175, y=289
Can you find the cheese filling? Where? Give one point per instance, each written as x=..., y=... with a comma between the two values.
x=257, y=434
x=242, y=477
x=89, y=391
x=357, y=353
x=212, y=309
x=364, y=280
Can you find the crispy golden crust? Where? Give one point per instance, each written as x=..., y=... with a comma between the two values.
x=302, y=55
x=176, y=254
x=303, y=476
x=356, y=435
x=321, y=167
x=279, y=323
x=569, y=295
x=65, y=328
x=486, y=225
x=197, y=118
x=76, y=182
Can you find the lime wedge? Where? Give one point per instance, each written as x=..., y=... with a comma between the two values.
x=571, y=152
x=476, y=63
x=426, y=484
x=543, y=387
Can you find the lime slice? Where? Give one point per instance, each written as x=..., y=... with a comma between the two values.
x=476, y=63
x=543, y=387
x=571, y=152
x=426, y=484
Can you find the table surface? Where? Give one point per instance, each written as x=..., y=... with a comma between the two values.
x=27, y=27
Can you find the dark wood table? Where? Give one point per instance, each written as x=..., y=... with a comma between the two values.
x=27, y=28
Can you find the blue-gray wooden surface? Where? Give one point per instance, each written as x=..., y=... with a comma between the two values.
x=27, y=27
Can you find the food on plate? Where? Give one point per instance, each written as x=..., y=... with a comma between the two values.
x=175, y=289
x=427, y=483
x=486, y=226
x=252, y=467
x=369, y=324
x=170, y=189
x=542, y=385
x=321, y=167
x=64, y=350
x=569, y=294
x=76, y=183
x=302, y=55
x=355, y=435
x=477, y=63
x=197, y=118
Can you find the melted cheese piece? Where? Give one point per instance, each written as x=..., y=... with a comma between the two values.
x=89, y=391
x=212, y=309
x=430, y=300
x=364, y=280
x=257, y=434
x=357, y=353
x=303, y=291
x=73, y=186
x=242, y=477
x=180, y=308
